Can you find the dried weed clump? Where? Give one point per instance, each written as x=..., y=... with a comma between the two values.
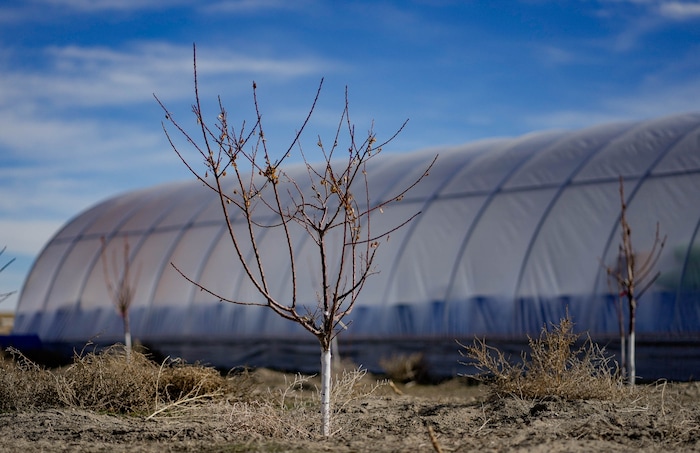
x=24, y=385
x=283, y=412
x=353, y=385
x=555, y=367
x=179, y=380
x=108, y=381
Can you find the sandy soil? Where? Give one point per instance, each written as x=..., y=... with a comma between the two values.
x=462, y=418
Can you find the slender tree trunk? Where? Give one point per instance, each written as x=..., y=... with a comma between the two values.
x=326, y=372
x=127, y=336
x=623, y=336
x=623, y=353
x=632, y=366
x=631, y=359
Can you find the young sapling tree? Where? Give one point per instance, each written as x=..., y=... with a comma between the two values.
x=633, y=277
x=121, y=285
x=335, y=213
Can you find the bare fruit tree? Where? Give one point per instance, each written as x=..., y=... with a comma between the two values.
x=121, y=284
x=632, y=277
x=335, y=213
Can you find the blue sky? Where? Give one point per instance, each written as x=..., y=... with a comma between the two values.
x=78, y=121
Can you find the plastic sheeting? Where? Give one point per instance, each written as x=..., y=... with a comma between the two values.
x=512, y=234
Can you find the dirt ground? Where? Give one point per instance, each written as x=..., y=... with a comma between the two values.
x=664, y=417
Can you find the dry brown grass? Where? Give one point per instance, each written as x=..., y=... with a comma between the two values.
x=555, y=367
x=25, y=385
x=352, y=385
x=107, y=381
x=290, y=410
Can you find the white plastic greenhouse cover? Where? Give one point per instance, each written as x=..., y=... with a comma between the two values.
x=512, y=234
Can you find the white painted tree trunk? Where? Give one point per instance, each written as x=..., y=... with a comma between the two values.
x=623, y=354
x=631, y=360
x=127, y=336
x=326, y=372
x=127, y=344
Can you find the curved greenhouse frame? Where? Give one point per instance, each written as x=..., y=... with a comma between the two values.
x=512, y=234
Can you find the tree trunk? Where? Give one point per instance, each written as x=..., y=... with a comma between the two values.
x=326, y=372
x=631, y=359
x=623, y=335
x=127, y=336
x=632, y=367
x=623, y=354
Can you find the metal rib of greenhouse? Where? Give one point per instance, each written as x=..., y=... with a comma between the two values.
x=562, y=187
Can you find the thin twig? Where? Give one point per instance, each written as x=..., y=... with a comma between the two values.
x=434, y=440
x=182, y=401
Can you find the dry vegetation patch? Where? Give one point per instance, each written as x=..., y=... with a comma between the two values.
x=555, y=367
x=188, y=407
x=25, y=385
x=286, y=407
x=109, y=381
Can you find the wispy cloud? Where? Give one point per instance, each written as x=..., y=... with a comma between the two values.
x=109, y=5
x=255, y=6
x=659, y=100
x=637, y=19
x=30, y=133
x=644, y=103
x=66, y=123
x=96, y=76
x=679, y=10
x=566, y=54
x=44, y=11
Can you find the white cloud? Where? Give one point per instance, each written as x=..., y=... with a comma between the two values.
x=567, y=54
x=44, y=137
x=632, y=34
x=557, y=55
x=637, y=19
x=254, y=6
x=679, y=10
x=44, y=11
x=658, y=101
x=67, y=138
x=110, y=5
x=95, y=76
x=49, y=192
x=648, y=102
